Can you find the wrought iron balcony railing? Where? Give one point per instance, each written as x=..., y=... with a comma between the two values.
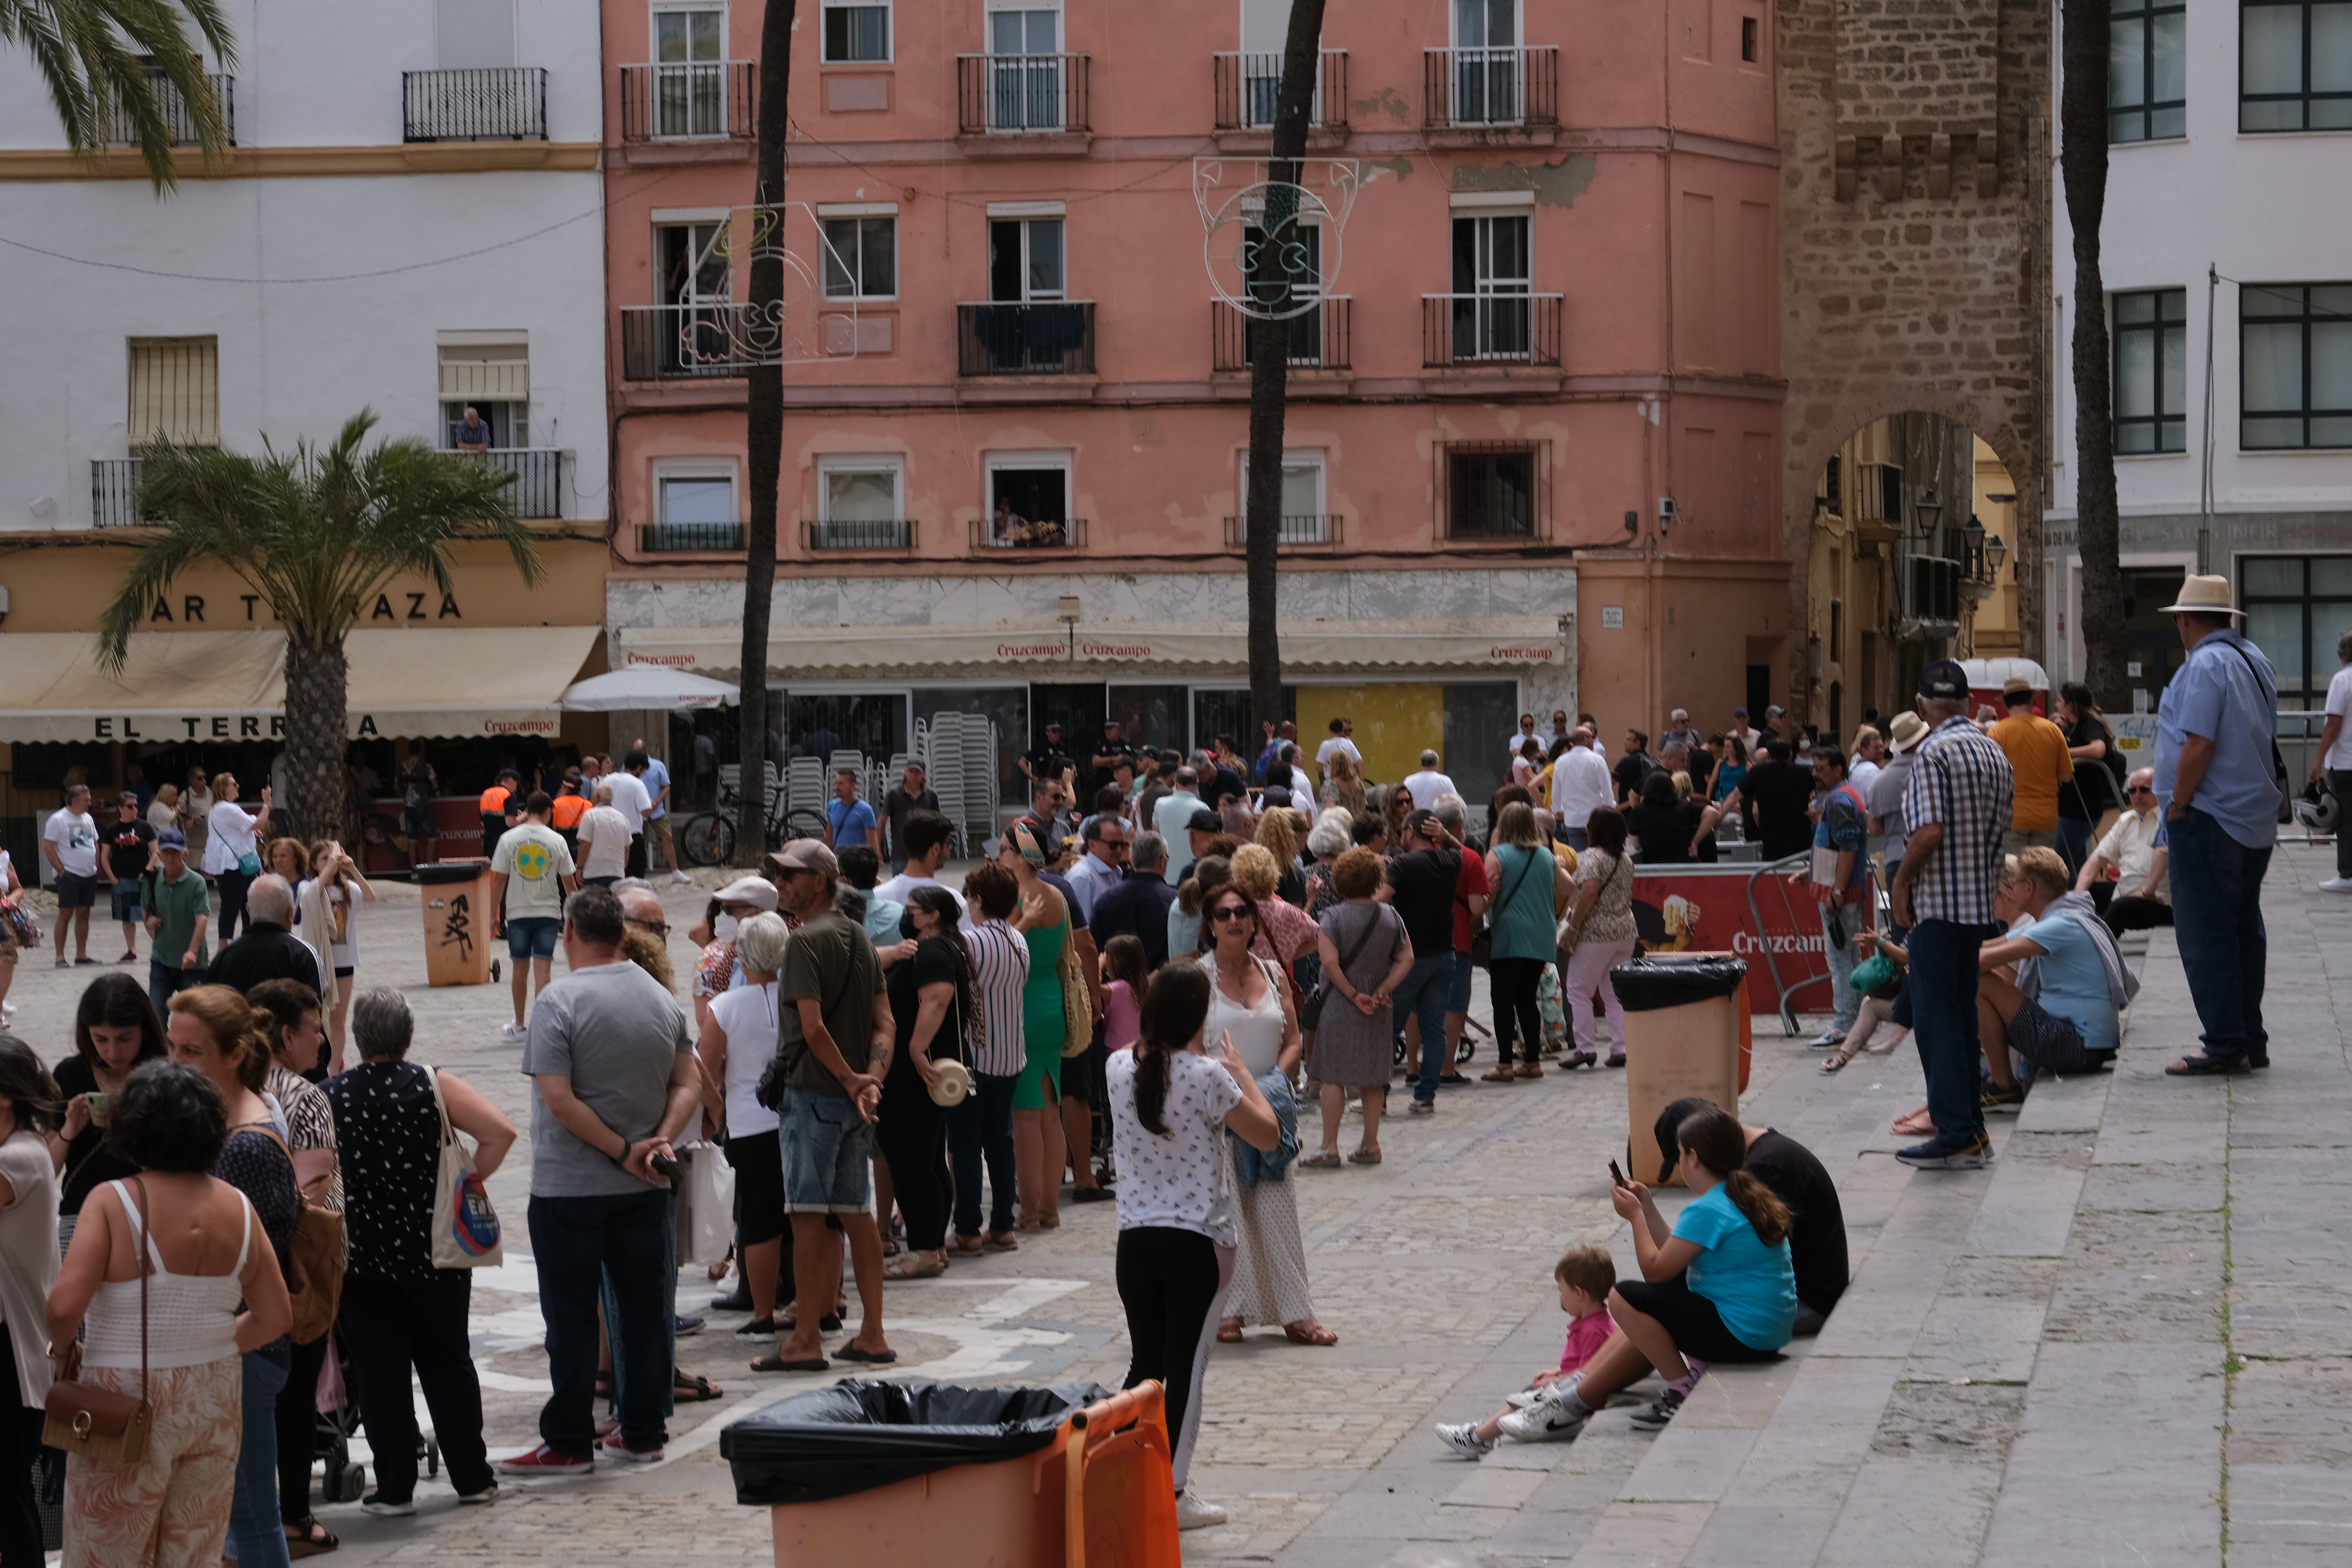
x=841, y=534
x=692, y=538
x=704, y=100
x=180, y=125
x=1489, y=329
x=538, y=488
x=1246, y=84
x=114, y=493
x=498, y=104
x=1489, y=87
x=1318, y=337
x=1043, y=534
x=1310, y=528
x=1039, y=338
x=1008, y=93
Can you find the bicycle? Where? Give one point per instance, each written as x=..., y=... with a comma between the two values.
x=707, y=838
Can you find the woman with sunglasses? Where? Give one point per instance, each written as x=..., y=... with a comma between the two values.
x=1248, y=1001
x=1044, y=921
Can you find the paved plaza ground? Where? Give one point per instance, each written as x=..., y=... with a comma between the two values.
x=2127, y=1341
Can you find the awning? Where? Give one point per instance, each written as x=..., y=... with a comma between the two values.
x=231, y=686
x=1310, y=648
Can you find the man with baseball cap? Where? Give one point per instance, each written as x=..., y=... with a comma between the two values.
x=2218, y=783
x=1956, y=807
x=178, y=908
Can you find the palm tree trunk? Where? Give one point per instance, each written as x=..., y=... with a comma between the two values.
x=1270, y=344
x=316, y=701
x=2082, y=165
x=765, y=437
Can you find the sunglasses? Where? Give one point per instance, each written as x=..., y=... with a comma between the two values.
x=1229, y=912
x=2139, y=789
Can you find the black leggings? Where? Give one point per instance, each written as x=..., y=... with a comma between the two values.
x=1513, y=982
x=912, y=1133
x=231, y=884
x=20, y=1439
x=1170, y=1283
x=297, y=1429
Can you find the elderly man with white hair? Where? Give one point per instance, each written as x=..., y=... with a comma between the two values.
x=604, y=834
x=269, y=949
x=2126, y=875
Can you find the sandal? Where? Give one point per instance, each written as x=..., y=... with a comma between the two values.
x=314, y=1538
x=913, y=1267
x=1499, y=1075
x=1229, y=1333
x=1839, y=1060
x=692, y=1388
x=1532, y=1069
x=772, y=1362
x=1314, y=1335
x=1365, y=1157
x=966, y=1244
x=1327, y=1160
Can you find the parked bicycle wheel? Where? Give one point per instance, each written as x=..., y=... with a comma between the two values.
x=707, y=840
x=792, y=824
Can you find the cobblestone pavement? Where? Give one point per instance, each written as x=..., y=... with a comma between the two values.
x=2126, y=1341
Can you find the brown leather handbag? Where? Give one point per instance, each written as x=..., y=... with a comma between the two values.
x=98, y=1423
x=315, y=1259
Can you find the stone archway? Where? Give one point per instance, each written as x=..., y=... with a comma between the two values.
x=1915, y=232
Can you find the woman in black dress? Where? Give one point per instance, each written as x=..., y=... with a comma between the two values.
x=930, y=998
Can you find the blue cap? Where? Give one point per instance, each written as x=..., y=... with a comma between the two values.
x=172, y=838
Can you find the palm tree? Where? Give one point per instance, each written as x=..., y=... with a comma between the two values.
x=2082, y=169
x=99, y=58
x=317, y=534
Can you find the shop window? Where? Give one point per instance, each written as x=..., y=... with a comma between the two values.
x=1476, y=712
x=856, y=31
x=2295, y=65
x=1152, y=715
x=2296, y=365
x=861, y=257
x=2151, y=339
x=175, y=391
x=1006, y=708
x=2148, y=70
x=2296, y=607
x=817, y=725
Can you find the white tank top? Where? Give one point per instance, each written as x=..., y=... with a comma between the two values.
x=190, y=1318
x=1257, y=1031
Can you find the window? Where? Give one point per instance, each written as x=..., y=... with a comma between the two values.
x=1024, y=259
x=489, y=373
x=2147, y=71
x=856, y=31
x=2295, y=65
x=175, y=391
x=1486, y=62
x=1304, y=518
x=694, y=506
x=1750, y=46
x=693, y=332
x=859, y=503
x=1028, y=500
x=1492, y=489
x=1025, y=70
x=2295, y=348
x=2296, y=607
x=1493, y=275
x=2151, y=335
x=690, y=73
x=861, y=257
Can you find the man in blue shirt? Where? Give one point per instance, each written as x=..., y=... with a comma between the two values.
x=657, y=783
x=1840, y=875
x=850, y=819
x=2061, y=1014
x=2219, y=791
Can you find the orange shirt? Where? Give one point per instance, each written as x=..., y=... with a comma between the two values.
x=567, y=811
x=494, y=801
x=2036, y=749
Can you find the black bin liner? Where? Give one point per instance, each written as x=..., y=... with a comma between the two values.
x=859, y=1435
x=434, y=872
x=1648, y=984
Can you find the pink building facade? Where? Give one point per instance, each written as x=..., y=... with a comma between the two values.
x=1539, y=381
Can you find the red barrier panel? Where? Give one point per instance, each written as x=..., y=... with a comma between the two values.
x=1749, y=912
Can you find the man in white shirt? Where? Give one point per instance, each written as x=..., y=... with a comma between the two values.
x=2138, y=894
x=1746, y=733
x=1339, y=740
x=927, y=839
x=2334, y=760
x=1580, y=784
x=635, y=802
x=1869, y=758
x=1428, y=783
x=1102, y=866
x=69, y=843
x=1520, y=737
x=605, y=837
x=1172, y=818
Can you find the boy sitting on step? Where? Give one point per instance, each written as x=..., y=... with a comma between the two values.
x=1585, y=1276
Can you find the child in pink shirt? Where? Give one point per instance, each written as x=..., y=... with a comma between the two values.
x=1124, y=976
x=1585, y=1276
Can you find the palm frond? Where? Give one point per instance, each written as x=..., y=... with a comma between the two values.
x=96, y=57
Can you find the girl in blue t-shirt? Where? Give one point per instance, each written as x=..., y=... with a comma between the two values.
x=1716, y=1285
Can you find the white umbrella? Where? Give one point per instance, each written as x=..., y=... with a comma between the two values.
x=645, y=686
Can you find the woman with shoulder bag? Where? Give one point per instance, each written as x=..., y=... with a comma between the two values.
x=1598, y=935
x=1365, y=955
x=168, y=1281
x=931, y=997
x=1527, y=878
x=402, y=1313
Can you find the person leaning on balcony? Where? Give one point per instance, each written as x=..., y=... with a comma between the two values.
x=473, y=432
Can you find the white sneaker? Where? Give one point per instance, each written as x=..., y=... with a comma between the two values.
x=1524, y=1398
x=1829, y=1039
x=1195, y=1513
x=1546, y=1422
x=680, y=878
x=1462, y=1436
x=513, y=1032
x=2337, y=885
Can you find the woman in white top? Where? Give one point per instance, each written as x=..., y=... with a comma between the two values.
x=230, y=835
x=337, y=888
x=737, y=1042
x=1169, y=1107
x=164, y=811
x=213, y=1290
x=195, y=807
x=30, y=1106
x=1251, y=1003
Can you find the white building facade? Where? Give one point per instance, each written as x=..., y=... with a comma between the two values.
x=2227, y=250
x=407, y=222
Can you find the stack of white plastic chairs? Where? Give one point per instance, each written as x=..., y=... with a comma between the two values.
x=805, y=786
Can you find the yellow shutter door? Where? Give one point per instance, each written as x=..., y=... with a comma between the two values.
x=175, y=391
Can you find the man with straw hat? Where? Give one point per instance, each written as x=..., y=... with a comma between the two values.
x=2218, y=784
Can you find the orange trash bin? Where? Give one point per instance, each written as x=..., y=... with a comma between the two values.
x=458, y=920
x=1093, y=1486
x=1685, y=1035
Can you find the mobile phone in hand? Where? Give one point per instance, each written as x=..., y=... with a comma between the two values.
x=1615, y=1175
x=666, y=1166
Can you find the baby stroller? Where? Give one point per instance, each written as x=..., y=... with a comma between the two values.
x=341, y=1479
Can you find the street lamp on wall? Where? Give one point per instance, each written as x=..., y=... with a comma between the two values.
x=1995, y=553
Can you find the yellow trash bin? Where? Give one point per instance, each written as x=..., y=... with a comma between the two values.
x=458, y=921
x=1682, y=1040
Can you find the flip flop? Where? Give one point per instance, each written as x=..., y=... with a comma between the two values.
x=1328, y=1161
x=866, y=1358
x=1365, y=1157
x=692, y=1388
x=777, y=1363
x=1229, y=1333
x=1318, y=1335
x=966, y=1244
x=910, y=1267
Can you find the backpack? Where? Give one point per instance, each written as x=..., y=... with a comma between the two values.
x=314, y=1262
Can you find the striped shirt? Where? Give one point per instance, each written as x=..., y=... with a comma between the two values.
x=1000, y=960
x=1961, y=780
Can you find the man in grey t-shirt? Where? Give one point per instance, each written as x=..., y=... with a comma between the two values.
x=614, y=1081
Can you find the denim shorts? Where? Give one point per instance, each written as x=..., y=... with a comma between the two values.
x=533, y=936
x=1458, y=1001
x=828, y=1151
x=126, y=899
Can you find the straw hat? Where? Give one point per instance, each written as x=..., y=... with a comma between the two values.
x=2203, y=596
x=1905, y=730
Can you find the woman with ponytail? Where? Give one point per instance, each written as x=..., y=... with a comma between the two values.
x=1717, y=1285
x=1170, y=1103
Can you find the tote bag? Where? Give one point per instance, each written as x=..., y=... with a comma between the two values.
x=706, y=1198
x=466, y=1231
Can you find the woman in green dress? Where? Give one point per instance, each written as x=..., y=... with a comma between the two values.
x=1039, y=1148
